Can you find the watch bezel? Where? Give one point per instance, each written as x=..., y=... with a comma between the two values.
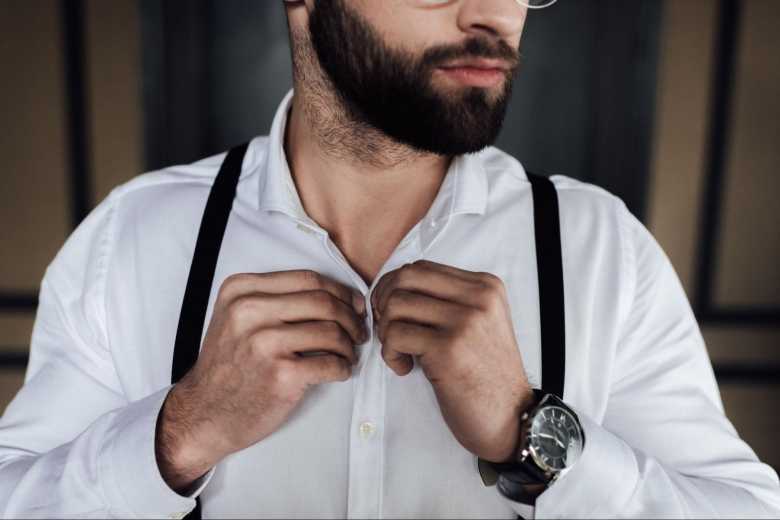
x=529, y=450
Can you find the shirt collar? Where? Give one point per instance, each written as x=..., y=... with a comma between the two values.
x=464, y=190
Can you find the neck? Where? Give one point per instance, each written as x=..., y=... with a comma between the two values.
x=364, y=188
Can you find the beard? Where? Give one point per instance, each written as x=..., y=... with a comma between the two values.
x=391, y=89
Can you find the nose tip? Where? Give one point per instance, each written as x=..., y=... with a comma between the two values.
x=503, y=18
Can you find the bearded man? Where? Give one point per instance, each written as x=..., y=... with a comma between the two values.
x=348, y=317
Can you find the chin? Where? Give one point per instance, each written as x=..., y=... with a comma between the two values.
x=448, y=90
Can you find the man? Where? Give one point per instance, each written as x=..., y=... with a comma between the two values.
x=373, y=325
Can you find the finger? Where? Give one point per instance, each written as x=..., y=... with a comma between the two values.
x=404, y=340
x=281, y=282
x=319, y=305
x=256, y=311
x=323, y=369
x=399, y=363
x=435, y=283
x=419, y=308
x=429, y=265
x=309, y=338
x=449, y=269
x=386, y=279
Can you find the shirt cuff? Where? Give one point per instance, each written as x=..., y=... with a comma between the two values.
x=601, y=481
x=129, y=464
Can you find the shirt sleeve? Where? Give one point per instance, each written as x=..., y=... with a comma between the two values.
x=71, y=444
x=664, y=447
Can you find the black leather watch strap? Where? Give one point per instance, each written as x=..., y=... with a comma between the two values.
x=519, y=485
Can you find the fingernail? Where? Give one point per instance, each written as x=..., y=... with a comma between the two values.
x=358, y=303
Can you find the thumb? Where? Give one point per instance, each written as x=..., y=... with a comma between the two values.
x=398, y=362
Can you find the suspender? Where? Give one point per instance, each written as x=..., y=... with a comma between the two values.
x=204, y=263
x=549, y=265
x=212, y=230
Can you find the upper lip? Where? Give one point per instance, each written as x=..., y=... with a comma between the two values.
x=478, y=63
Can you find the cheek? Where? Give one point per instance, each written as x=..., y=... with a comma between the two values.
x=410, y=28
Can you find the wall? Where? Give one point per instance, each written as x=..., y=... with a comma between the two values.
x=51, y=176
x=713, y=187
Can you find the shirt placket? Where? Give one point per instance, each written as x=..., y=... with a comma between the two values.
x=367, y=430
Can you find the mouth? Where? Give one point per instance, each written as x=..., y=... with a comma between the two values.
x=475, y=72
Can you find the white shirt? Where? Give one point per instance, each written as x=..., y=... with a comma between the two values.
x=78, y=439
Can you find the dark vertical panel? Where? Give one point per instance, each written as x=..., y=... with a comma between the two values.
x=549, y=119
x=175, y=88
x=153, y=84
x=250, y=68
x=187, y=81
x=623, y=107
x=585, y=99
x=80, y=167
x=717, y=152
x=723, y=81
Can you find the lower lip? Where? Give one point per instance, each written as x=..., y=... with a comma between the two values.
x=475, y=77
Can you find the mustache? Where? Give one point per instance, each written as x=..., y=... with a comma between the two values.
x=471, y=48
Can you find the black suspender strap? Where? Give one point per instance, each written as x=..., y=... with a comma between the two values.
x=204, y=264
x=549, y=265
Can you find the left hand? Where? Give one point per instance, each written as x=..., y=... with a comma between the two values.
x=458, y=326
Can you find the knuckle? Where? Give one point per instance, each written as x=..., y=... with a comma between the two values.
x=265, y=339
x=493, y=305
x=241, y=309
x=285, y=376
x=470, y=318
x=337, y=333
x=310, y=279
x=233, y=282
x=492, y=282
x=257, y=345
x=327, y=302
x=392, y=331
x=492, y=291
x=395, y=298
x=413, y=266
x=406, y=273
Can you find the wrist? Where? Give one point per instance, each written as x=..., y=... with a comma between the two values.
x=181, y=457
x=512, y=436
x=542, y=456
x=528, y=402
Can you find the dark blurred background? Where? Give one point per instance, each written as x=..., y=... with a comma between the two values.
x=670, y=104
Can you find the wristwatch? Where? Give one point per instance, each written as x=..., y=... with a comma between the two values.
x=551, y=441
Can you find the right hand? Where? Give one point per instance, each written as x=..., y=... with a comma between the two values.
x=250, y=374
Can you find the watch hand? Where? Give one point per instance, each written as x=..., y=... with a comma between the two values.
x=548, y=436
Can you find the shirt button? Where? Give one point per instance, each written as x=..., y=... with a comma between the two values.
x=367, y=429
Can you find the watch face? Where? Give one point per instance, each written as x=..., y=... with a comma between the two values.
x=555, y=440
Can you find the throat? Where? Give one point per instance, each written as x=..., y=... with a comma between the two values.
x=367, y=257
